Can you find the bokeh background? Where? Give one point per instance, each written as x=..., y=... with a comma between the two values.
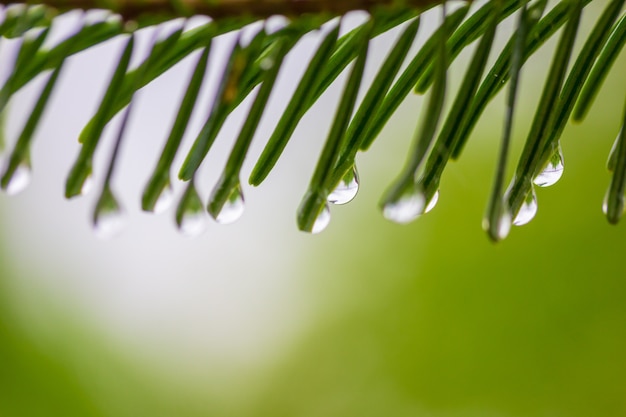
x=368, y=318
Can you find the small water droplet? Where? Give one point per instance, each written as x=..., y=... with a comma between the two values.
x=165, y=200
x=87, y=185
x=322, y=221
x=233, y=208
x=267, y=63
x=20, y=180
x=432, y=203
x=553, y=171
x=612, y=161
x=503, y=226
x=528, y=210
x=109, y=219
x=347, y=188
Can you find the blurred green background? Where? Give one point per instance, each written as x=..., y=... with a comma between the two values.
x=367, y=319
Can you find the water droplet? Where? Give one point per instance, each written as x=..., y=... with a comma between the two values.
x=87, y=185
x=553, y=170
x=620, y=206
x=503, y=226
x=406, y=209
x=267, y=63
x=612, y=161
x=165, y=200
x=233, y=208
x=528, y=210
x=193, y=223
x=410, y=206
x=432, y=203
x=20, y=180
x=347, y=188
x=322, y=221
x=191, y=217
x=109, y=219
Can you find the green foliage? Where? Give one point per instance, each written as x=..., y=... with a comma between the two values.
x=253, y=67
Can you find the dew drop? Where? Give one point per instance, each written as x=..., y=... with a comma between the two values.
x=110, y=224
x=193, y=223
x=87, y=185
x=503, y=226
x=347, y=188
x=165, y=200
x=612, y=161
x=405, y=209
x=432, y=203
x=233, y=208
x=621, y=206
x=528, y=210
x=20, y=180
x=322, y=221
x=553, y=171
x=109, y=219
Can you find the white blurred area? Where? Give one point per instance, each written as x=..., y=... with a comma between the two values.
x=232, y=300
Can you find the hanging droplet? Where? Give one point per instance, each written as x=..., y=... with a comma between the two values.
x=614, y=215
x=193, y=223
x=165, y=200
x=605, y=203
x=347, y=188
x=191, y=217
x=432, y=202
x=19, y=180
x=108, y=219
x=503, y=226
x=405, y=209
x=612, y=161
x=233, y=208
x=553, y=170
x=87, y=185
x=322, y=221
x=528, y=210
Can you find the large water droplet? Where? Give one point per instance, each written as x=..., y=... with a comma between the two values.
x=322, y=221
x=233, y=208
x=20, y=179
x=553, y=170
x=165, y=200
x=410, y=206
x=347, y=188
x=528, y=210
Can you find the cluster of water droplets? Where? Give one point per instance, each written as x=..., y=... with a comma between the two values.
x=410, y=206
